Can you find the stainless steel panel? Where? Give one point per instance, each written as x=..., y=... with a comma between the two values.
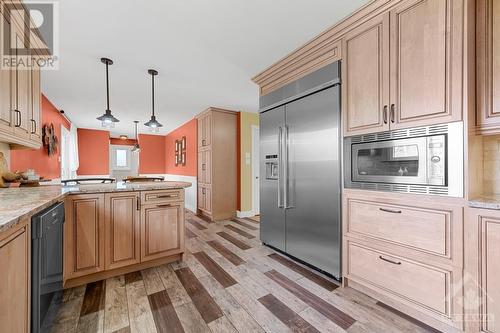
x=314, y=180
x=272, y=214
x=326, y=76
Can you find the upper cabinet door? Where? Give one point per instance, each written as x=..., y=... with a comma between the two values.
x=208, y=129
x=365, y=77
x=201, y=131
x=6, y=113
x=488, y=66
x=426, y=63
x=36, y=99
x=21, y=85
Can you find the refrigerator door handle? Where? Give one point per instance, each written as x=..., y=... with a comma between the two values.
x=286, y=168
x=280, y=164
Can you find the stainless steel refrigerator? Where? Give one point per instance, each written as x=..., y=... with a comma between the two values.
x=300, y=172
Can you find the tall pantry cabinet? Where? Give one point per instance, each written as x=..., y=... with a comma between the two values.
x=217, y=163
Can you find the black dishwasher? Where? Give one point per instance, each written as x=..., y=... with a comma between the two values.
x=46, y=263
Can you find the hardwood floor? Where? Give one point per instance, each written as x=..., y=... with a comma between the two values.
x=228, y=282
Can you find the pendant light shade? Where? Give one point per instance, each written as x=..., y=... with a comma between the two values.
x=107, y=119
x=136, y=147
x=153, y=124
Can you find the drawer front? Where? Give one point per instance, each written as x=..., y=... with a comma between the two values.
x=422, y=229
x=422, y=285
x=163, y=196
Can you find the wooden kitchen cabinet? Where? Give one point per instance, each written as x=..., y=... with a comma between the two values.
x=84, y=229
x=162, y=230
x=122, y=229
x=482, y=268
x=407, y=252
x=488, y=66
x=417, y=53
x=6, y=77
x=21, y=85
x=36, y=105
x=20, y=96
x=205, y=130
x=217, y=163
x=365, y=77
x=120, y=232
x=15, y=288
x=426, y=63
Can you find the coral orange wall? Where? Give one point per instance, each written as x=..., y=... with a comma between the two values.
x=189, y=130
x=152, y=155
x=93, y=152
x=123, y=142
x=38, y=159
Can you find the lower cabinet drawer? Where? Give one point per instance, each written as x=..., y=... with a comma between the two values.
x=418, y=228
x=420, y=284
x=161, y=196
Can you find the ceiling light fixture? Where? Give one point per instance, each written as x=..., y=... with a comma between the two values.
x=123, y=137
x=153, y=124
x=136, y=147
x=107, y=119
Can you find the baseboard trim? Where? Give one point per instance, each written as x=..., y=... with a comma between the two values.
x=247, y=213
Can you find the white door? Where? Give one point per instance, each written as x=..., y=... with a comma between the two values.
x=255, y=170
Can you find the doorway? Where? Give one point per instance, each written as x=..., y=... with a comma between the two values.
x=123, y=162
x=255, y=171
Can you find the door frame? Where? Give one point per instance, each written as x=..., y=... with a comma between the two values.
x=255, y=168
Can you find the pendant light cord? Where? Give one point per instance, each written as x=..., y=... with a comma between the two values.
x=107, y=87
x=153, y=93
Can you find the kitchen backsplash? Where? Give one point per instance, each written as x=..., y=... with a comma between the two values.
x=491, y=159
x=5, y=149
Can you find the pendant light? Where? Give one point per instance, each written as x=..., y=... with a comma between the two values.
x=136, y=147
x=153, y=124
x=107, y=119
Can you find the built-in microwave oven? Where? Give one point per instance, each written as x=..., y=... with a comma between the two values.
x=424, y=160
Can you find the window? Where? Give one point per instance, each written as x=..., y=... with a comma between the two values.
x=121, y=158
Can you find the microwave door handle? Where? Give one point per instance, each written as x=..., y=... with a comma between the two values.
x=280, y=164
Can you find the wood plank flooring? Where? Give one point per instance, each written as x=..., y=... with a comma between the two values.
x=228, y=282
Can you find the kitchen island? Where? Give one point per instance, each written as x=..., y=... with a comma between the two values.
x=109, y=229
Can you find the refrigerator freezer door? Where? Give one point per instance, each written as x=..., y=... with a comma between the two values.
x=314, y=180
x=272, y=214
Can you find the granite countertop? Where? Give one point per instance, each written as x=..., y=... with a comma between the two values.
x=490, y=201
x=17, y=203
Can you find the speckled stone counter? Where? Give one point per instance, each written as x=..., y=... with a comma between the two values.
x=17, y=203
x=486, y=202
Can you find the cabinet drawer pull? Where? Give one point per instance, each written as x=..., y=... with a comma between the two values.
x=393, y=113
x=385, y=114
x=165, y=196
x=203, y=191
x=203, y=167
x=203, y=142
x=164, y=206
x=390, y=261
x=18, y=118
x=390, y=211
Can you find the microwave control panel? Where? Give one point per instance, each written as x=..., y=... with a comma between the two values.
x=436, y=160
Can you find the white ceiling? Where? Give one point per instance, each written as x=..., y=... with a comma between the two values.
x=205, y=51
